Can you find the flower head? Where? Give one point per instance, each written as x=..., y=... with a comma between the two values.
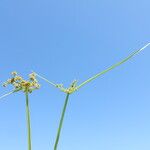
x=72, y=88
x=20, y=84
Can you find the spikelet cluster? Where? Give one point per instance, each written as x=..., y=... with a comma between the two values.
x=72, y=88
x=20, y=84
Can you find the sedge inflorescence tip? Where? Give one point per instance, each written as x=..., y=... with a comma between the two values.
x=72, y=88
x=20, y=84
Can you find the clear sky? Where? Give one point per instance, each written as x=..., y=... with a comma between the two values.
x=74, y=39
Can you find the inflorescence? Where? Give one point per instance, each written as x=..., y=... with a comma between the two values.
x=70, y=90
x=20, y=84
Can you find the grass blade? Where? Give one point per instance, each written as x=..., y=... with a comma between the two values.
x=7, y=94
x=113, y=66
x=53, y=84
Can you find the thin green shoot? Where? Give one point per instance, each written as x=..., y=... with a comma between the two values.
x=7, y=94
x=61, y=122
x=53, y=84
x=113, y=66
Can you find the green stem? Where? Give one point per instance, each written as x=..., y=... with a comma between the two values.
x=53, y=84
x=112, y=67
x=28, y=121
x=7, y=94
x=61, y=122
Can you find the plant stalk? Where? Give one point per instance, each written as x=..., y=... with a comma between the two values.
x=7, y=94
x=53, y=84
x=61, y=122
x=112, y=67
x=28, y=121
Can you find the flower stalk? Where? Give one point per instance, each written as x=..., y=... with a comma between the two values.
x=28, y=120
x=61, y=121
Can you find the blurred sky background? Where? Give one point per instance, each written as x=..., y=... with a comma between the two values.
x=75, y=39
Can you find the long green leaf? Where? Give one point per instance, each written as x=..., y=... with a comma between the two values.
x=112, y=67
x=7, y=94
x=53, y=84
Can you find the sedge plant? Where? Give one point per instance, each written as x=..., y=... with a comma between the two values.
x=74, y=87
x=27, y=86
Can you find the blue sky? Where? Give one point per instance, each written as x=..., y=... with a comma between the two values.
x=67, y=40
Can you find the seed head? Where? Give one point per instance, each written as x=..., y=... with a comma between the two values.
x=20, y=84
x=71, y=89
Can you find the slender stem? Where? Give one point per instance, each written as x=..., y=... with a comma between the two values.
x=53, y=84
x=7, y=94
x=61, y=122
x=112, y=67
x=28, y=121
